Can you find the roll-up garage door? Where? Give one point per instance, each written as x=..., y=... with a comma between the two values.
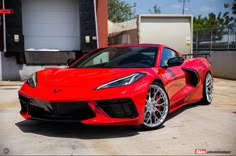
x=51, y=25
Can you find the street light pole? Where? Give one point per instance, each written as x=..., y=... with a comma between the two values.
x=4, y=28
x=183, y=8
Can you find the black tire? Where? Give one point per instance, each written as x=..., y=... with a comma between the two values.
x=158, y=110
x=207, y=93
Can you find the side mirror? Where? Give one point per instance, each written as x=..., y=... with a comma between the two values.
x=70, y=61
x=175, y=61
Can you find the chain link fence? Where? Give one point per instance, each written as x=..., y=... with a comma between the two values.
x=214, y=39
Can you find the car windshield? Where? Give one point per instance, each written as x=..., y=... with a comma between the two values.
x=119, y=57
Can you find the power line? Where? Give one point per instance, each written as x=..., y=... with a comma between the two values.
x=183, y=8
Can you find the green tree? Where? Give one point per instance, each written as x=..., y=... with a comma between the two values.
x=217, y=24
x=155, y=10
x=234, y=7
x=213, y=21
x=119, y=11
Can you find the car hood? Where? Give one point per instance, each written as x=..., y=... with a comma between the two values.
x=82, y=77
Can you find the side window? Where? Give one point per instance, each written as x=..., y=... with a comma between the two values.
x=166, y=55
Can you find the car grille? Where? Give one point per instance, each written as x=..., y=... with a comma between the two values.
x=56, y=110
x=118, y=108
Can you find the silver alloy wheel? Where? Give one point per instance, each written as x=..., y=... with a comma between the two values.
x=209, y=87
x=157, y=107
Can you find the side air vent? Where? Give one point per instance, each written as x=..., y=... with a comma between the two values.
x=192, y=77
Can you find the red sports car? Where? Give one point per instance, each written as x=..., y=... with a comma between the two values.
x=118, y=85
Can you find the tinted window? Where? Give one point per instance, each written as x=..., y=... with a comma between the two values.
x=166, y=55
x=120, y=57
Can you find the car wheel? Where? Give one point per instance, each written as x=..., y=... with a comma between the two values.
x=156, y=107
x=207, y=90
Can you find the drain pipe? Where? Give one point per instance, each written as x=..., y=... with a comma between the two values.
x=96, y=21
x=4, y=28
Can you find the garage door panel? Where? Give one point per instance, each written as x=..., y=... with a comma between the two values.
x=51, y=17
x=70, y=43
x=150, y=31
x=49, y=5
x=51, y=24
x=44, y=30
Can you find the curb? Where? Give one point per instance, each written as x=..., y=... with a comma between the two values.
x=10, y=83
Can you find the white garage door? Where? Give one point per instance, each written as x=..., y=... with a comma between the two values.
x=168, y=30
x=51, y=24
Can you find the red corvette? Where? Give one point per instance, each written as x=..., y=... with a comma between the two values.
x=118, y=85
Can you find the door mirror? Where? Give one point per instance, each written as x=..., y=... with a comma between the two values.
x=175, y=61
x=70, y=61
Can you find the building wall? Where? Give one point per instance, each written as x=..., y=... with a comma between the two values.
x=1, y=29
x=172, y=30
x=129, y=36
x=102, y=16
x=11, y=70
x=1, y=33
x=223, y=64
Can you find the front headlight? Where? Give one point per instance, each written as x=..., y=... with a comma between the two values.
x=32, y=80
x=123, y=81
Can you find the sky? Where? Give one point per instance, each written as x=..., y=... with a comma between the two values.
x=194, y=7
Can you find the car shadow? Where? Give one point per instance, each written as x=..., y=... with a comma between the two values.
x=184, y=108
x=75, y=130
x=81, y=131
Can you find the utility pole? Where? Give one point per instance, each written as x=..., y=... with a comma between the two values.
x=183, y=8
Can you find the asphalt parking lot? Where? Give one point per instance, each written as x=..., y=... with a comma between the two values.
x=212, y=128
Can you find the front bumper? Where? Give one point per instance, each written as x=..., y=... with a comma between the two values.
x=116, y=106
x=76, y=111
x=45, y=110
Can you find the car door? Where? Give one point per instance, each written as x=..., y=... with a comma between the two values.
x=173, y=75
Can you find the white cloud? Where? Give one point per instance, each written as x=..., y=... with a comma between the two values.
x=176, y=6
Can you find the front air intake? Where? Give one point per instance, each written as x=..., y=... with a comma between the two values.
x=118, y=108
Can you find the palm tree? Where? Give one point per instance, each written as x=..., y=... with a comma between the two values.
x=234, y=7
x=155, y=10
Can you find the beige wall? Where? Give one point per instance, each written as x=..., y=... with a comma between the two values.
x=171, y=30
x=129, y=36
x=224, y=64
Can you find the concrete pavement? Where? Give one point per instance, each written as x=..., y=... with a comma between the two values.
x=192, y=127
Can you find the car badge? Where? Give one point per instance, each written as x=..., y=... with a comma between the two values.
x=56, y=91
